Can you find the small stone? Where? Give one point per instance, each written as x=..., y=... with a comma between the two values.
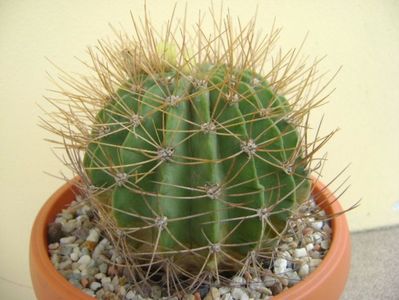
x=65, y=264
x=130, y=295
x=227, y=296
x=317, y=225
x=224, y=290
x=247, y=276
x=112, y=271
x=314, y=254
x=293, y=278
x=70, y=226
x=74, y=256
x=98, y=276
x=315, y=262
x=325, y=244
x=156, y=292
x=283, y=247
x=100, y=248
x=285, y=255
x=103, y=268
x=276, y=288
x=203, y=290
x=327, y=229
x=81, y=233
x=105, y=280
x=309, y=247
x=53, y=246
x=303, y=270
x=239, y=294
x=237, y=281
x=67, y=240
x=288, y=239
x=300, y=252
x=307, y=231
x=122, y=291
x=84, y=282
x=197, y=296
x=317, y=238
x=256, y=284
x=54, y=232
x=93, y=236
x=213, y=294
x=280, y=265
x=269, y=281
x=189, y=297
x=89, y=292
x=84, y=260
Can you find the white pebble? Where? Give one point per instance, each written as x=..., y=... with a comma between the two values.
x=70, y=226
x=327, y=228
x=95, y=285
x=227, y=296
x=269, y=281
x=130, y=295
x=293, y=277
x=315, y=262
x=239, y=294
x=285, y=255
x=317, y=237
x=74, y=256
x=325, y=244
x=67, y=240
x=317, y=225
x=224, y=290
x=303, y=270
x=237, y=281
x=280, y=265
x=93, y=236
x=100, y=248
x=213, y=294
x=84, y=260
x=256, y=284
x=122, y=291
x=300, y=252
x=99, y=276
x=309, y=247
x=105, y=280
x=53, y=246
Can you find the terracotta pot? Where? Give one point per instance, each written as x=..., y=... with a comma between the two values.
x=326, y=282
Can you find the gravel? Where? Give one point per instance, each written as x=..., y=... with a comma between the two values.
x=87, y=259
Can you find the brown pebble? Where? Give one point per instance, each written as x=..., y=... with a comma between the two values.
x=84, y=282
x=54, y=232
x=112, y=271
x=247, y=276
x=90, y=245
x=197, y=296
x=317, y=247
x=293, y=245
x=276, y=288
x=308, y=231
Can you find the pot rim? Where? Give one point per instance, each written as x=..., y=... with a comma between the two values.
x=39, y=258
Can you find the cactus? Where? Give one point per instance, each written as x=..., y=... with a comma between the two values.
x=210, y=153
x=195, y=156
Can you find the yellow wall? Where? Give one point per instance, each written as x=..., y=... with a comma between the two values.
x=363, y=36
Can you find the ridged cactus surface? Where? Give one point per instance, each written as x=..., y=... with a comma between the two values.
x=198, y=162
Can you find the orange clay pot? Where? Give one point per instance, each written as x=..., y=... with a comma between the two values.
x=326, y=282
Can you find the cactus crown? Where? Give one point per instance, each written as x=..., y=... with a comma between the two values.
x=194, y=148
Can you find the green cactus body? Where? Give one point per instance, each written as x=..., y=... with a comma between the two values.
x=197, y=163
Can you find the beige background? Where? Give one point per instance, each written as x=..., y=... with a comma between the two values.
x=363, y=36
